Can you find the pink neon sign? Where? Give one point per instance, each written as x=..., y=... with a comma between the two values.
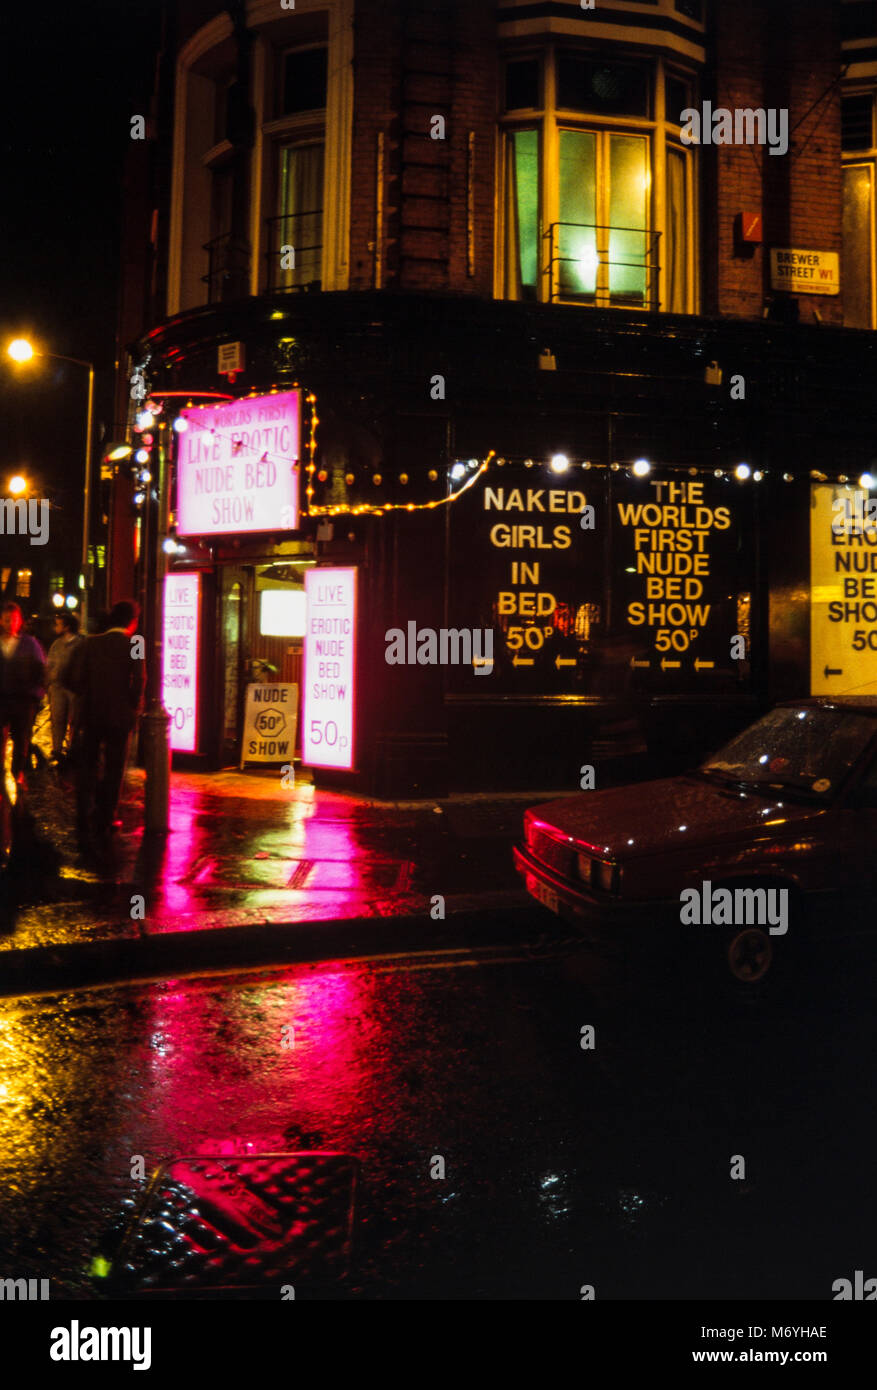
x=329, y=661
x=180, y=681
x=237, y=466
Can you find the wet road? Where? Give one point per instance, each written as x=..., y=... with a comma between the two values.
x=564, y=1166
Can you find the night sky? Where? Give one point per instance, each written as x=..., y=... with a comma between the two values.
x=75, y=74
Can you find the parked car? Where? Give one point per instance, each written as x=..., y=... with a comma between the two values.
x=788, y=807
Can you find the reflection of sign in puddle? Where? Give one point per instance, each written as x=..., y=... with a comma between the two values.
x=240, y=1221
x=330, y=875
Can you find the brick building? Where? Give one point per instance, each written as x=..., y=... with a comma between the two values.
x=567, y=373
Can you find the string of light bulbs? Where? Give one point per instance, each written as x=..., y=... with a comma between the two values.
x=471, y=470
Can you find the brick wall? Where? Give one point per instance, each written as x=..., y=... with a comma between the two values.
x=787, y=55
x=416, y=60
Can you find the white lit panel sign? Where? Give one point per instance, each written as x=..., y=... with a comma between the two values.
x=329, y=652
x=180, y=683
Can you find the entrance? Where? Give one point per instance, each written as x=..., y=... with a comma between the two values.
x=233, y=624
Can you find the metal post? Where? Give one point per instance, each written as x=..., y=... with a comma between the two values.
x=86, y=504
x=156, y=721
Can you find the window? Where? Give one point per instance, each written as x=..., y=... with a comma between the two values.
x=303, y=87
x=22, y=583
x=859, y=159
x=300, y=215
x=295, y=231
x=522, y=85
x=611, y=89
x=599, y=190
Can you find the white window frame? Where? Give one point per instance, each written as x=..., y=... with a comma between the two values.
x=865, y=159
x=191, y=161
x=549, y=120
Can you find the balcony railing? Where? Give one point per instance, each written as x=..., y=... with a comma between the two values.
x=228, y=269
x=297, y=231
x=593, y=263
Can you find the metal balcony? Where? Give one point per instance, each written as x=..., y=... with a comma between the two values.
x=607, y=266
x=228, y=269
x=306, y=272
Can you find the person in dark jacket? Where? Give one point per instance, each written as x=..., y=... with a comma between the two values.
x=22, y=684
x=61, y=700
x=108, y=674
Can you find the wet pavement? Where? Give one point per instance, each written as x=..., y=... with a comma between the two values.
x=244, y=851
x=563, y=1166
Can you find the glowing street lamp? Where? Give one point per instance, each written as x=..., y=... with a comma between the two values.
x=17, y=485
x=20, y=350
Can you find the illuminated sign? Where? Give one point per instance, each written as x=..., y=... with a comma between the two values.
x=843, y=593
x=522, y=565
x=237, y=466
x=270, y=718
x=329, y=649
x=180, y=685
x=654, y=611
x=282, y=613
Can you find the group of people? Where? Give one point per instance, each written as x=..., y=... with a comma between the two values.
x=95, y=687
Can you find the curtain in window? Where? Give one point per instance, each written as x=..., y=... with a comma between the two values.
x=300, y=220
x=858, y=215
x=576, y=242
x=677, y=223
x=522, y=214
x=628, y=212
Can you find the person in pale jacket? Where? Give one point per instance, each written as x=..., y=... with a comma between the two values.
x=62, y=702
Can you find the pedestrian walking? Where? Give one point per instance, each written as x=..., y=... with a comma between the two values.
x=108, y=676
x=62, y=701
x=22, y=685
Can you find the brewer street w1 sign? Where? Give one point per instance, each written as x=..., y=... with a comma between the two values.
x=237, y=466
x=804, y=272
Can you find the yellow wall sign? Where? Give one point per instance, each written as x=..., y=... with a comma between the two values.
x=843, y=593
x=804, y=272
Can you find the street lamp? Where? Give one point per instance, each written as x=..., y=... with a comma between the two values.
x=17, y=485
x=21, y=350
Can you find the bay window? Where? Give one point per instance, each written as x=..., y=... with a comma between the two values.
x=598, y=188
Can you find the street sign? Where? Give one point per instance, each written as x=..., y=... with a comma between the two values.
x=804, y=272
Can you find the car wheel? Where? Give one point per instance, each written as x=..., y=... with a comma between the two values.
x=749, y=955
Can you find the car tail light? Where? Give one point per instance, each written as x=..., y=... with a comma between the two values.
x=603, y=875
